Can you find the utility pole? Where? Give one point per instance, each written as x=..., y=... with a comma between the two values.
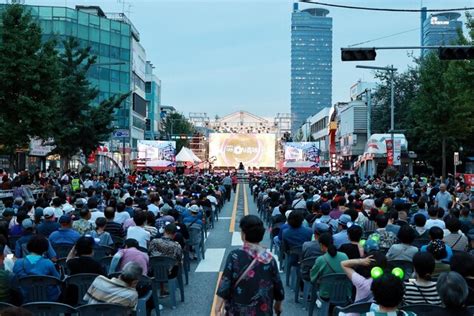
x=392, y=96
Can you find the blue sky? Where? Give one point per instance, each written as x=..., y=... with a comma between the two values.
x=220, y=56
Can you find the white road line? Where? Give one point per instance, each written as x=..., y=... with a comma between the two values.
x=225, y=217
x=236, y=239
x=213, y=261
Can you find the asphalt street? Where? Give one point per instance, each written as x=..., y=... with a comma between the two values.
x=204, y=276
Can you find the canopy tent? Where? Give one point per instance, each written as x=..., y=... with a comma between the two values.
x=187, y=155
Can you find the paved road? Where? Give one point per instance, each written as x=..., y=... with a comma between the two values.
x=204, y=276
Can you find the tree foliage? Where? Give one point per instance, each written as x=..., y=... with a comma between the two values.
x=29, y=81
x=434, y=104
x=177, y=124
x=82, y=126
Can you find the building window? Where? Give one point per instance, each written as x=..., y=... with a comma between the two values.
x=148, y=87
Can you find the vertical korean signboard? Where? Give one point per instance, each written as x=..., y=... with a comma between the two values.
x=389, y=145
x=397, y=152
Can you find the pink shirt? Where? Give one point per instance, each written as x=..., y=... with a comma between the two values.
x=134, y=255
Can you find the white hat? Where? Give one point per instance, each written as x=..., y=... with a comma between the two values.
x=287, y=213
x=67, y=208
x=316, y=197
x=48, y=212
x=194, y=209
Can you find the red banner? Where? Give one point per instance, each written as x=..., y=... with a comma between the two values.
x=389, y=145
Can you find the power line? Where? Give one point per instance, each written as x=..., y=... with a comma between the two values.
x=384, y=9
x=383, y=37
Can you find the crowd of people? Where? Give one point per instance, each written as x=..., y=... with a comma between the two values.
x=369, y=230
x=129, y=219
x=327, y=224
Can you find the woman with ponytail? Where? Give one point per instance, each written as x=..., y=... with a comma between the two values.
x=328, y=263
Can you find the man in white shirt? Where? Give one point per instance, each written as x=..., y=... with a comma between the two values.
x=443, y=197
x=434, y=220
x=138, y=232
x=154, y=202
x=299, y=202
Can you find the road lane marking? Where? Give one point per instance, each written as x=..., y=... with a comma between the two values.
x=246, y=204
x=234, y=209
x=214, y=302
x=213, y=260
x=236, y=239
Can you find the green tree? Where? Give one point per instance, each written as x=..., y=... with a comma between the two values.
x=406, y=85
x=443, y=109
x=177, y=124
x=83, y=126
x=29, y=81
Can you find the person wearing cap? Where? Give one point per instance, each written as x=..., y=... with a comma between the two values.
x=49, y=223
x=342, y=237
x=65, y=234
x=299, y=202
x=326, y=219
x=195, y=219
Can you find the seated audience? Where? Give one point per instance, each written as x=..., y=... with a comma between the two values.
x=121, y=290
x=463, y=263
x=353, y=250
x=421, y=289
x=453, y=291
x=404, y=250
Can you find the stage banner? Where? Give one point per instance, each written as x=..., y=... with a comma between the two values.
x=157, y=154
x=253, y=150
x=307, y=152
x=389, y=145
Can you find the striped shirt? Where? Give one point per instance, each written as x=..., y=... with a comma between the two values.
x=113, y=291
x=416, y=293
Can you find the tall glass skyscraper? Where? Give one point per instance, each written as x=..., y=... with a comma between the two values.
x=439, y=29
x=311, y=63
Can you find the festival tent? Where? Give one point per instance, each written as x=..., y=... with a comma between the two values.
x=187, y=155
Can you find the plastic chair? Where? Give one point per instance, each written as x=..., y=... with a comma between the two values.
x=105, y=263
x=306, y=263
x=103, y=310
x=161, y=266
x=338, y=294
x=62, y=250
x=186, y=263
x=37, y=287
x=4, y=305
x=423, y=309
x=82, y=281
x=63, y=268
x=102, y=251
x=357, y=308
x=118, y=241
x=407, y=267
x=49, y=308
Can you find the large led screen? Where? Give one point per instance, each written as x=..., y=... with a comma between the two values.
x=305, y=154
x=253, y=150
x=157, y=154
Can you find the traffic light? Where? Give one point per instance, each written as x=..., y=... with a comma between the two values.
x=354, y=54
x=456, y=53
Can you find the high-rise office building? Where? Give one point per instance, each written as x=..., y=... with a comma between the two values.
x=121, y=60
x=153, y=97
x=439, y=29
x=311, y=63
